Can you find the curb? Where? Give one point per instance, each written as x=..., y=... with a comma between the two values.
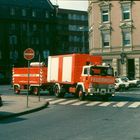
x=25, y=112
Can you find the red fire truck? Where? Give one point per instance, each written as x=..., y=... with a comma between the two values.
x=78, y=74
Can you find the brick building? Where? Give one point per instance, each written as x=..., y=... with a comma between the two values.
x=114, y=33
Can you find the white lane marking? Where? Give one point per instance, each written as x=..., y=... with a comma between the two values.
x=68, y=102
x=80, y=103
x=105, y=103
x=134, y=105
x=120, y=104
x=50, y=99
x=57, y=101
x=92, y=103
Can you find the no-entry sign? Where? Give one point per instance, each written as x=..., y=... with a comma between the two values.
x=29, y=54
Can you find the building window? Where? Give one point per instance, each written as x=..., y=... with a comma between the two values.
x=37, y=41
x=126, y=38
x=24, y=27
x=23, y=12
x=33, y=13
x=105, y=15
x=47, y=28
x=12, y=27
x=12, y=11
x=47, y=41
x=46, y=53
x=14, y=55
x=34, y=27
x=13, y=40
x=46, y=14
x=105, y=39
x=126, y=12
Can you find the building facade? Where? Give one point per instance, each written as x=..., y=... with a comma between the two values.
x=71, y=31
x=24, y=24
x=39, y=25
x=114, y=33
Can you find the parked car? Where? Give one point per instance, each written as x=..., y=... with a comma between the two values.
x=132, y=83
x=126, y=82
x=119, y=85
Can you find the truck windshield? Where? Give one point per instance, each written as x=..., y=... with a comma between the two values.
x=104, y=71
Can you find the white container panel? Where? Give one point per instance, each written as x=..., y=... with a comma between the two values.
x=53, y=64
x=67, y=69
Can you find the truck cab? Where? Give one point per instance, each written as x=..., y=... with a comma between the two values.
x=96, y=80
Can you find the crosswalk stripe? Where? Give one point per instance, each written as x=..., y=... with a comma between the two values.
x=57, y=101
x=120, y=104
x=50, y=99
x=105, y=104
x=92, y=103
x=68, y=102
x=134, y=105
x=80, y=103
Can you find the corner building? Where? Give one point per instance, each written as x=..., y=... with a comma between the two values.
x=114, y=33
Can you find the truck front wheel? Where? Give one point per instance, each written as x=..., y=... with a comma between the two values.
x=81, y=94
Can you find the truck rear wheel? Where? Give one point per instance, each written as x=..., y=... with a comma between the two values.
x=16, y=90
x=35, y=90
x=58, y=92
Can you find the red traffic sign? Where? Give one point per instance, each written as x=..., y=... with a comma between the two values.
x=29, y=54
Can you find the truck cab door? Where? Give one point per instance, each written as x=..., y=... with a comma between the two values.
x=85, y=77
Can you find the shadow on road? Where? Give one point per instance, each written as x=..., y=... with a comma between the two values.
x=11, y=120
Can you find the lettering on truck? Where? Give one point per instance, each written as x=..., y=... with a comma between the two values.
x=102, y=80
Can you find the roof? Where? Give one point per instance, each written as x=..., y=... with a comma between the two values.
x=29, y=3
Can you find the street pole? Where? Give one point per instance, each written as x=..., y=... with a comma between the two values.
x=83, y=39
x=39, y=80
x=83, y=36
x=28, y=81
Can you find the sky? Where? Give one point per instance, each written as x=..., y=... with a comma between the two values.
x=72, y=4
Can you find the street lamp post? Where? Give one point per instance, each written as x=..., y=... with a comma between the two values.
x=83, y=36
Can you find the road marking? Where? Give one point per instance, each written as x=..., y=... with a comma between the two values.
x=68, y=102
x=76, y=102
x=105, y=103
x=57, y=101
x=92, y=103
x=120, y=104
x=50, y=99
x=134, y=105
x=80, y=103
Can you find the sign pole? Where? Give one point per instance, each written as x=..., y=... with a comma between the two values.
x=28, y=55
x=28, y=82
x=39, y=80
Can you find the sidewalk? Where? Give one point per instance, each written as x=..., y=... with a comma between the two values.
x=17, y=105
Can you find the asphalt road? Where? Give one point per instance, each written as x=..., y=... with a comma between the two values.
x=63, y=120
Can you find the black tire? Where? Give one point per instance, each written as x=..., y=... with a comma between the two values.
x=81, y=94
x=35, y=90
x=57, y=92
x=16, y=90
